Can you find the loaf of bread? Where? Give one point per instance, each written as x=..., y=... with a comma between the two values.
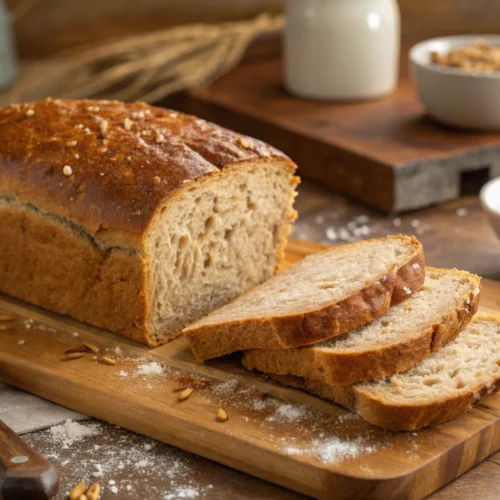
x=133, y=218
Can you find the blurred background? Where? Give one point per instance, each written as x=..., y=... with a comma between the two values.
x=372, y=164
x=46, y=27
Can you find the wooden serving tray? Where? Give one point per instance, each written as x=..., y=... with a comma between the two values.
x=276, y=433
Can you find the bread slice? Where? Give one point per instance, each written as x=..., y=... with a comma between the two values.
x=322, y=296
x=395, y=342
x=437, y=390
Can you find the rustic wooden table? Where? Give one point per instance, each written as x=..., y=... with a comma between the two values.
x=454, y=235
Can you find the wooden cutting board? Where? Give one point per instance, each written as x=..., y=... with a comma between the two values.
x=386, y=153
x=273, y=432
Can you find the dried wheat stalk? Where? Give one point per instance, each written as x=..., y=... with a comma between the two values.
x=149, y=67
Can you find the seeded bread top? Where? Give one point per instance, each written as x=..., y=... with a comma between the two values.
x=107, y=164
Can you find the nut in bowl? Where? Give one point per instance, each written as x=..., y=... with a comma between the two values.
x=490, y=200
x=458, y=81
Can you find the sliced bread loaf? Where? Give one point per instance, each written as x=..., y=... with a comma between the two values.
x=437, y=390
x=395, y=342
x=136, y=219
x=322, y=296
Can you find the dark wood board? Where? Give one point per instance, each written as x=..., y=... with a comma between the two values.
x=385, y=153
x=394, y=465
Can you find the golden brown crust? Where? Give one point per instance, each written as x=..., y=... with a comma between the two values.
x=126, y=159
x=53, y=266
x=210, y=341
x=338, y=368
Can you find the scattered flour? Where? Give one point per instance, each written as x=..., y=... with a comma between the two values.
x=289, y=413
x=226, y=388
x=332, y=450
x=70, y=432
x=183, y=493
x=157, y=469
x=98, y=472
x=187, y=492
x=152, y=368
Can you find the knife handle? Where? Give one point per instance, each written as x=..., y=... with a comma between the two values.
x=24, y=473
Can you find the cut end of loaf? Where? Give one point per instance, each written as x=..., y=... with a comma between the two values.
x=224, y=236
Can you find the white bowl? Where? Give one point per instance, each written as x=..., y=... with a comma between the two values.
x=454, y=96
x=490, y=200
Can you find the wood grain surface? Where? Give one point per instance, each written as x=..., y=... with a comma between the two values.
x=404, y=465
x=386, y=153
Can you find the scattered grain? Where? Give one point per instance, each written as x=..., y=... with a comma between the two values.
x=245, y=142
x=103, y=126
x=71, y=144
x=221, y=415
x=78, y=491
x=30, y=112
x=75, y=348
x=105, y=360
x=127, y=124
x=185, y=394
x=91, y=347
x=73, y=355
x=67, y=170
x=179, y=389
x=94, y=491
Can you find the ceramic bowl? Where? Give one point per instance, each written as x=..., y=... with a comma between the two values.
x=490, y=200
x=451, y=95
